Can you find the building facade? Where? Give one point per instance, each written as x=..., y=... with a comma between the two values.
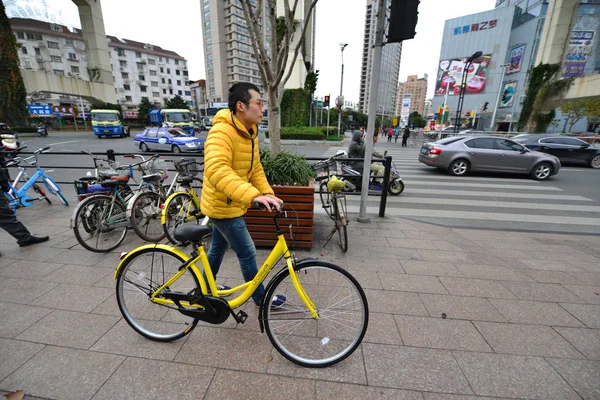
x=199, y=102
x=140, y=70
x=417, y=87
x=387, y=95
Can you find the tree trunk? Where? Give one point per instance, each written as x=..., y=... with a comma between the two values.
x=274, y=111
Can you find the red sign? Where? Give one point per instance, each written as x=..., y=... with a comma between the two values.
x=131, y=114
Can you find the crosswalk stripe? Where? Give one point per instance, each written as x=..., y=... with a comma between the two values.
x=457, y=179
x=498, y=194
x=459, y=185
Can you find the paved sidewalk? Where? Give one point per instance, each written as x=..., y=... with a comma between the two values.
x=452, y=312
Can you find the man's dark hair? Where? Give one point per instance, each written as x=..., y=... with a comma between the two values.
x=240, y=92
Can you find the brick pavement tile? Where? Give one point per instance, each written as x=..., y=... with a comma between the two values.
x=109, y=261
x=587, y=341
x=83, y=257
x=589, y=314
x=77, y=275
x=333, y=390
x=526, y=340
x=135, y=379
x=28, y=269
x=589, y=294
x=374, y=264
x=369, y=279
x=482, y=257
x=350, y=370
x=417, y=235
x=460, y=307
x=226, y=348
x=534, y=312
x=414, y=369
x=69, y=329
x=376, y=234
x=411, y=283
x=541, y=292
x=440, y=333
x=513, y=376
x=476, y=288
x=391, y=302
x=412, y=243
x=550, y=265
x=18, y=317
x=23, y=290
x=444, y=256
x=444, y=396
x=108, y=307
x=590, y=278
x=397, y=253
x=122, y=339
x=36, y=253
x=587, y=266
x=446, y=245
x=583, y=376
x=492, y=272
x=382, y=329
x=552, y=277
x=259, y=386
x=63, y=373
x=508, y=253
x=13, y=354
x=506, y=245
x=430, y=268
x=74, y=298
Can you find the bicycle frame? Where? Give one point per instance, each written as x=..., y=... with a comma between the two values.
x=188, y=216
x=280, y=249
x=20, y=194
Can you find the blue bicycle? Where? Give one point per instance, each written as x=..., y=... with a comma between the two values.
x=17, y=197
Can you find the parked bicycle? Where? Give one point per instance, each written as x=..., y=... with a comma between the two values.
x=18, y=197
x=163, y=294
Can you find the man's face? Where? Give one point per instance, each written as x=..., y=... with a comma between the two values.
x=253, y=111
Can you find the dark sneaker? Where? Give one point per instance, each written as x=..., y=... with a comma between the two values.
x=276, y=302
x=223, y=287
x=33, y=240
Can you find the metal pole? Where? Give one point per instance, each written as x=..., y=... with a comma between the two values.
x=461, y=96
x=444, y=108
x=74, y=114
x=328, y=109
x=341, y=88
x=83, y=113
x=493, y=124
x=374, y=89
x=321, y=124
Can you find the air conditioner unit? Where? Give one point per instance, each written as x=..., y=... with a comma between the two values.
x=41, y=44
x=121, y=90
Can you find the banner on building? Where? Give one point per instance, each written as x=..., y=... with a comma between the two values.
x=65, y=111
x=508, y=94
x=405, y=109
x=450, y=74
x=516, y=59
x=579, y=52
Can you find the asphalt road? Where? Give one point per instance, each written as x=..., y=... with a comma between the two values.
x=479, y=200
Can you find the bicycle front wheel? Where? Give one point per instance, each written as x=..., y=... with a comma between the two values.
x=343, y=315
x=100, y=223
x=179, y=210
x=325, y=196
x=145, y=217
x=341, y=221
x=41, y=192
x=140, y=276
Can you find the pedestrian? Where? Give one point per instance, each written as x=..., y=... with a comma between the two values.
x=8, y=220
x=405, y=136
x=390, y=133
x=396, y=134
x=357, y=150
x=233, y=180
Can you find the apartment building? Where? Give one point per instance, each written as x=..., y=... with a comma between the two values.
x=198, y=89
x=417, y=87
x=390, y=67
x=140, y=70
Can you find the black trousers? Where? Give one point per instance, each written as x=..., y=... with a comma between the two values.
x=9, y=222
x=404, y=139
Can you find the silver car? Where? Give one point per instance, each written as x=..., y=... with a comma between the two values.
x=459, y=155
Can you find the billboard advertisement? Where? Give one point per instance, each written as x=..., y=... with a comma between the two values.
x=516, y=59
x=405, y=110
x=508, y=94
x=450, y=74
x=578, y=53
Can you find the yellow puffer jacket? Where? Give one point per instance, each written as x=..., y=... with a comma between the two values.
x=233, y=174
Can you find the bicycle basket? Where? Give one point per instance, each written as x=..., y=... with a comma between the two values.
x=108, y=168
x=188, y=166
x=155, y=166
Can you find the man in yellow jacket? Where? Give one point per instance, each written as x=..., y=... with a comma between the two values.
x=234, y=179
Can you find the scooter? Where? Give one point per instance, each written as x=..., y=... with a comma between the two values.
x=42, y=131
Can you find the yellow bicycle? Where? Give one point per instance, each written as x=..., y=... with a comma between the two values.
x=162, y=294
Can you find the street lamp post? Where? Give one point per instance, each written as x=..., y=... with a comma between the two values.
x=463, y=84
x=342, y=46
x=503, y=66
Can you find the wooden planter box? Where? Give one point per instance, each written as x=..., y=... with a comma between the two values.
x=300, y=198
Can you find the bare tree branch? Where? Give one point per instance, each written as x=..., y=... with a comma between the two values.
x=256, y=38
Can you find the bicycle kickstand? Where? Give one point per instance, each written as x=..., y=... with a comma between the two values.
x=335, y=228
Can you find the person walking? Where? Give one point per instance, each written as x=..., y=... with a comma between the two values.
x=390, y=133
x=405, y=136
x=396, y=134
x=234, y=179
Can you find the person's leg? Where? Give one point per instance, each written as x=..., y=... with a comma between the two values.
x=218, y=247
x=9, y=222
x=234, y=231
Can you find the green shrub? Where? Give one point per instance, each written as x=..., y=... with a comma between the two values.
x=307, y=133
x=286, y=169
x=24, y=129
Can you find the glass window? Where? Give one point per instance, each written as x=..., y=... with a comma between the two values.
x=75, y=69
x=122, y=63
x=151, y=61
x=72, y=56
x=141, y=77
x=139, y=65
x=552, y=140
x=37, y=51
x=21, y=35
x=507, y=145
x=138, y=54
x=52, y=45
x=127, y=98
x=24, y=50
x=152, y=132
x=124, y=75
x=162, y=133
x=120, y=52
x=178, y=83
x=126, y=87
x=480, y=143
x=152, y=73
x=573, y=142
x=59, y=72
x=143, y=88
x=55, y=59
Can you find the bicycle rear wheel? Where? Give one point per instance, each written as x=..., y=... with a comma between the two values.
x=325, y=196
x=41, y=192
x=145, y=216
x=342, y=307
x=140, y=276
x=92, y=227
x=179, y=210
x=341, y=221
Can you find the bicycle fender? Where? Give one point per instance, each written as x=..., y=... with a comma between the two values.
x=50, y=182
x=297, y=265
x=130, y=254
x=130, y=204
x=163, y=212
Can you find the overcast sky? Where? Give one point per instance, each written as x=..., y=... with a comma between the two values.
x=175, y=25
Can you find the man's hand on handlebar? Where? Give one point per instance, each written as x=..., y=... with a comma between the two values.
x=267, y=201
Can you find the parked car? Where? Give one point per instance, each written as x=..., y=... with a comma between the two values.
x=589, y=137
x=461, y=154
x=569, y=150
x=167, y=139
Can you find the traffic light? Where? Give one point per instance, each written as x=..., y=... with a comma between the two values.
x=326, y=101
x=404, y=15
x=485, y=106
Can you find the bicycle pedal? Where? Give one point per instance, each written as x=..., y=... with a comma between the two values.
x=240, y=317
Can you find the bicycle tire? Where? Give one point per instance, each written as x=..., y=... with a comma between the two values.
x=325, y=196
x=175, y=205
x=320, y=336
x=145, y=216
x=41, y=192
x=341, y=222
x=87, y=223
x=161, y=323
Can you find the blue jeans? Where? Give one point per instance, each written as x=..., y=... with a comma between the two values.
x=232, y=232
